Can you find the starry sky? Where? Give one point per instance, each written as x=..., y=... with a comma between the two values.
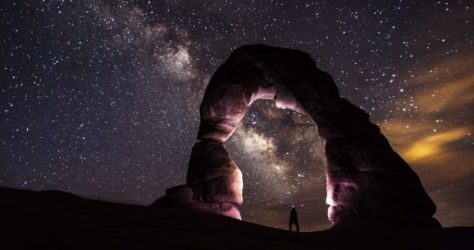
x=100, y=98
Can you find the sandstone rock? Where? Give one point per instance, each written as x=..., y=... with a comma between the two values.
x=364, y=175
x=213, y=175
x=182, y=196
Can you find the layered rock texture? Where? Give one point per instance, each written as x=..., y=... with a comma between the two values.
x=365, y=177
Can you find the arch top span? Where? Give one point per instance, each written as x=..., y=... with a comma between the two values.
x=365, y=176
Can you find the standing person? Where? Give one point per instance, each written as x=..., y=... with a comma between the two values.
x=294, y=219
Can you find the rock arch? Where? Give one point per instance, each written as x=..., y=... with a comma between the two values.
x=365, y=176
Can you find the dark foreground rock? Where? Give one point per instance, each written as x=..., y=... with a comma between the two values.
x=57, y=220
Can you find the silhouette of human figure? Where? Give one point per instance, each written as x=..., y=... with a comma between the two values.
x=294, y=219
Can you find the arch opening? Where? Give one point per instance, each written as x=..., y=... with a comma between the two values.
x=282, y=160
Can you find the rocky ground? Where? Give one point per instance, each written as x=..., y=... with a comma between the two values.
x=57, y=220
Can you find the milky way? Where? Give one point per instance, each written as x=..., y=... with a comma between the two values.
x=101, y=98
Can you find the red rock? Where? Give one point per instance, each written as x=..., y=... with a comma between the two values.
x=365, y=177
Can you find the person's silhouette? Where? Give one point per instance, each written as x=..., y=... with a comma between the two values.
x=294, y=219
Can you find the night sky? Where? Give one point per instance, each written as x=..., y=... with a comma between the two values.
x=101, y=98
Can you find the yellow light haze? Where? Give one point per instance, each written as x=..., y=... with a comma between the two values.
x=432, y=144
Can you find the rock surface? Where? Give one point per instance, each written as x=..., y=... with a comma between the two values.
x=183, y=197
x=365, y=177
x=38, y=220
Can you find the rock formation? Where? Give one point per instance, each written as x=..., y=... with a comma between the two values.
x=365, y=177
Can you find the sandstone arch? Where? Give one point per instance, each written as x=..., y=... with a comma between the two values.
x=365, y=177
